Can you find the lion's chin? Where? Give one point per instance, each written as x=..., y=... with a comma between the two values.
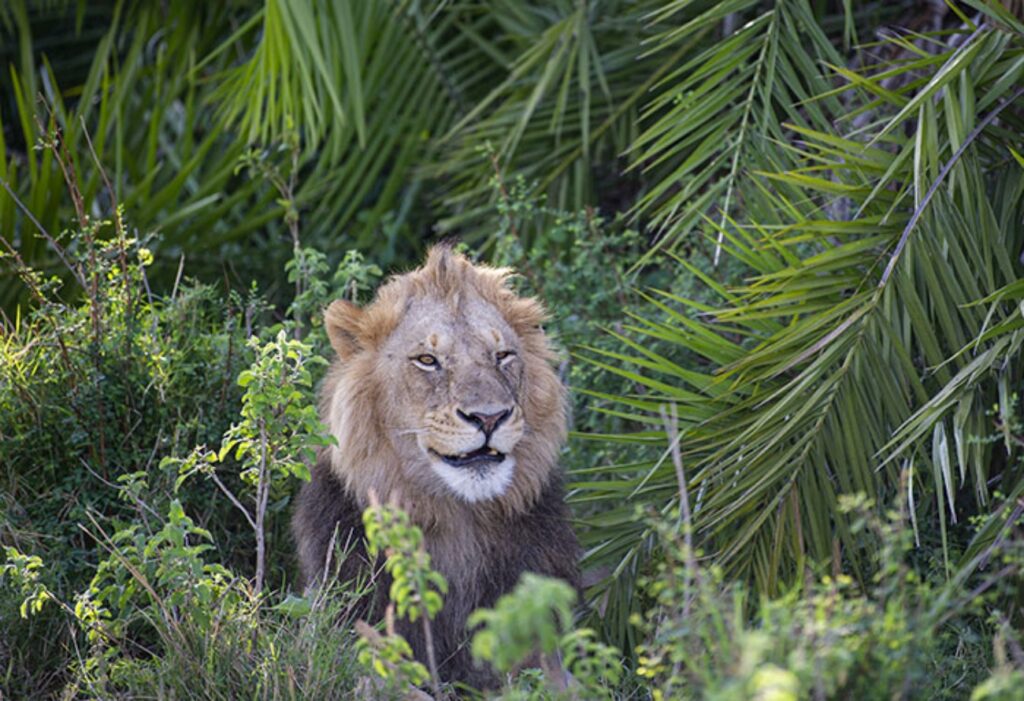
x=478, y=482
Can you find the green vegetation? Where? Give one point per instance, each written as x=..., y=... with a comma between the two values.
x=780, y=241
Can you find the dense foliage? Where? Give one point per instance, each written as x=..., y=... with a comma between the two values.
x=780, y=242
x=877, y=323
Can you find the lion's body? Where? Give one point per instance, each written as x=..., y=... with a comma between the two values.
x=538, y=540
x=443, y=399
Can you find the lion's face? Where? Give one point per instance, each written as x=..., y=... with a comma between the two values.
x=446, y=373
x=456, y=378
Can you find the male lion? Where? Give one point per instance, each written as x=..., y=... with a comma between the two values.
x=443, y=397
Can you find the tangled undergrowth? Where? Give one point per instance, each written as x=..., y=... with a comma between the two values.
x=151, y=445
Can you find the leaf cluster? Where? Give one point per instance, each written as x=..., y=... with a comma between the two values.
x=900, y=637
x=280, y=425
x=417, y=590
x=876, y=219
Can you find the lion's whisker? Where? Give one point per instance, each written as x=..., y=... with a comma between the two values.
x=409, y=431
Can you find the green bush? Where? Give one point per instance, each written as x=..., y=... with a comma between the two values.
x=113, y=389
x=163, y=595
x=705, y=637
x=91, y=391
x=900, y=636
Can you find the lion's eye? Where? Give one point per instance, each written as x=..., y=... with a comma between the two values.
x=504, y=356
x=426, y=361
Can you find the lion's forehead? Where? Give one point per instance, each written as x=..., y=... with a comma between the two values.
x=459, y=327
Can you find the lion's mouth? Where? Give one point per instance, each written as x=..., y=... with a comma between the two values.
x=477, y=458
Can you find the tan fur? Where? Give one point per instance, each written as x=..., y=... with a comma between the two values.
x=374, y=403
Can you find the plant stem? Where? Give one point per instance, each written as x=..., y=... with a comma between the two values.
x=671, y=421
x=262, y=494
x=428, y=640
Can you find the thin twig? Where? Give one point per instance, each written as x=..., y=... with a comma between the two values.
x=262, y=496
x=111, y=547
x=154, y=325
x=234, y=500
x=143, y=506
x=24, y=272
x=293, y=228
x=55, y=143
x=177, y=277
x=329, y=555
x=938, y=181
x=118, y=223
x=671, y=421
x=58, y=249
x=428, y=641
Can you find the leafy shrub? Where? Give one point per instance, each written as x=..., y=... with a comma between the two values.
x=276, y=438
x=416, y=593
x=161, y=609
x=705, y=637
x=897, y=636
x=159, y=619
x=534, y=623
x=93, y=390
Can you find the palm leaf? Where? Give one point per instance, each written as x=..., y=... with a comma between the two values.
x=864, y=348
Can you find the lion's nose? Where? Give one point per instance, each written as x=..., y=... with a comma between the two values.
x=487, y=423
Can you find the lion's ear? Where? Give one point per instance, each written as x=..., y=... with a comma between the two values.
x=341, y=319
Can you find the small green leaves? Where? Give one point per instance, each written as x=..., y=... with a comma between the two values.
x=145, y=575
x=416, y=589
x=416, y=594
x=530, y=619
x=280, y=428
x=23, y=572
x=535, y=619
x=389, y=657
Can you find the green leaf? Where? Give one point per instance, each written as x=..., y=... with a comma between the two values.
x=294, y=606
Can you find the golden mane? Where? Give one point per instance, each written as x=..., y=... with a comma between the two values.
x=443, y=400
x=355, y=403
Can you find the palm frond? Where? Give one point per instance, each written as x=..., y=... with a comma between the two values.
x=712, y=112
x=876, y=327
x=561, y=113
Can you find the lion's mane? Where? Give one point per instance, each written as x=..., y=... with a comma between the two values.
x=481, y=541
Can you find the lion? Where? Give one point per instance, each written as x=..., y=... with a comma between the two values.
x=443, y=397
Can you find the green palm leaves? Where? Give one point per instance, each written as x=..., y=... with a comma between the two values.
x=173, y=96
x=880, y=218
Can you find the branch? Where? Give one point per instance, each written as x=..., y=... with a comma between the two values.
x=46, y=235
x=938, y=181
x=234, y=499
x=671, y=421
